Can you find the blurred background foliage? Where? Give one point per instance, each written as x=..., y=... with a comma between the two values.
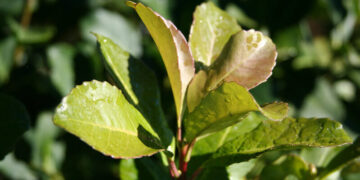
x=46, y=48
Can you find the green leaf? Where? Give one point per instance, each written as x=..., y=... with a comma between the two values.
x=128, y=170
x=323, y=102
x=341, y=159
x=139, y=83
x=14, y=122
x=31, y=35
x=7, y=47
x=247, y=59
x=174, y=51
x=47, y=154
x=114, y=26
x=285, y=166
x=101, y=116
x=60, y=58
x=211, y=143
x=151, y=169
x=16, y=169
x=288, y=133
x=239, y=170
x=351, y=171
x=210, y=30
x=224, y=107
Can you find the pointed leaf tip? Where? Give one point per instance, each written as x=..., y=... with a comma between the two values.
x=131, y=4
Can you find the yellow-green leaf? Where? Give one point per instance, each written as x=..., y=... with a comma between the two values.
x=285, y=134
x=99, y=114
x=210, y=30
x=226, y=106
x=173, y=49
x=139, y=84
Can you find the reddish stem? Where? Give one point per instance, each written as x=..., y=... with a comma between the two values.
x=173, y=170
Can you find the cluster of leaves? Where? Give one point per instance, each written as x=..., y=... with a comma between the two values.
x=317, y=72
x=212, y=104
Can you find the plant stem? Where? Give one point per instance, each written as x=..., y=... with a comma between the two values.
x=184, y=158
x=173, y=169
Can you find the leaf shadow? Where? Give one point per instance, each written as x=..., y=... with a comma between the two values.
x=148, y=139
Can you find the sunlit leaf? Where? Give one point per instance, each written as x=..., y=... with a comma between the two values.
x=210, y=31
x=247, y=59
x=101, y=116
x=60, y=58
x=14, y=121
x=174, y=51
x=139, y=84
x=226, y=106
x=211, y=143
x=288, y=133
x=7, y=47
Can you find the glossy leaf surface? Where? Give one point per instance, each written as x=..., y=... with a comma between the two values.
x=173, y=49
x=210, y=30
x=288, y=133
x=247, y=59
x=100, y=115
x=223, y=107
x=14, y=121
x=139, y=84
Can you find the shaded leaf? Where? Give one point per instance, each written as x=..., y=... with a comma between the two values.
x=214, y=173
x=31, y=35
x=60, y=58
x=151, y=169
x=47, y=153
x=224, y=107
x=7, y=47
x=114, y=26
x=239, y=170
x=174, y=51
x=101, y=116
x=128, y=170
x=323, y=102
x=290, y=165
x=351, y=171
x=247, y=59
x=14, y=121
x=16, y=169
x=139, y=83
x=288, y=133
x=341, y=159
x=210, y=30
